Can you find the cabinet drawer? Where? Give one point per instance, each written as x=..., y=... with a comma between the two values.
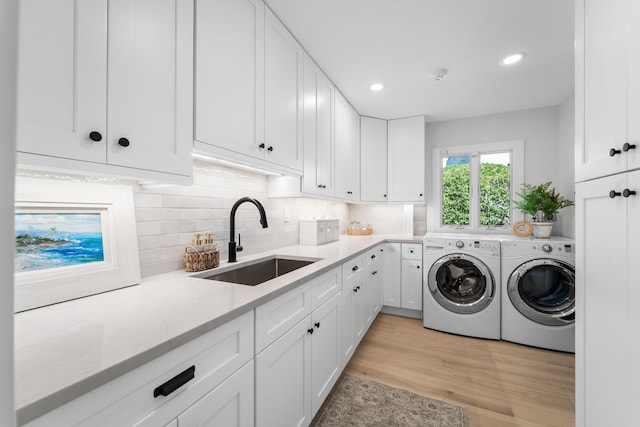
x=372, y=256
x=324, y=287
x=129, y=400
x=352, y=268
x=278, y=315
x=411, y=251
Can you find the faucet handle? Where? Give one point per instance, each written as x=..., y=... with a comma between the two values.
x=239, y=245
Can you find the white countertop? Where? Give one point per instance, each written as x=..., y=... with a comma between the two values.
x=66, y=350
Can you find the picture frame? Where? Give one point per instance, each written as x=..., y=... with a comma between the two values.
x=73, y=239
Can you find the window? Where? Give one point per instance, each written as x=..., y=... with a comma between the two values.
x=474, y=186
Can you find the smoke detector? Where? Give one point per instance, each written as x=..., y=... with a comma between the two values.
x=440, y=74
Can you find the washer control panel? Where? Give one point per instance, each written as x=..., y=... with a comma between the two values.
x=489, y=247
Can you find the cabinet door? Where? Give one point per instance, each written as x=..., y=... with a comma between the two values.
x=283, y=379
x=372, y=293
x=405, y=142
x=347, y=149
x=605, y=76
x=150, y=74
x=318, y=136
x=352, y=316
x=229, y=84
x=230, y=404
x=373, y=159
x=412, y=284
x=633, y=84
x=62, y=85
x=326, y=359
x=391, y=275
x=283, y=83
x=603, y=304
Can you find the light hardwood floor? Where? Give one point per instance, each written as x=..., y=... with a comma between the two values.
x=501, y=384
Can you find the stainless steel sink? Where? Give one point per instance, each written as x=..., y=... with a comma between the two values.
x=257, y=271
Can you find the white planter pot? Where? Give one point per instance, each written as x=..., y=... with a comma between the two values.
x=542, y=230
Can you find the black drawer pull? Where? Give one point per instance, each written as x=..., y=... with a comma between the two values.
x=355, y=268
x=175, y=383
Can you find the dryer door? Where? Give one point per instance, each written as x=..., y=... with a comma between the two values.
x=461, y=283
x=543, y=290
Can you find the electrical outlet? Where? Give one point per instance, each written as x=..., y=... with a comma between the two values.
x=286, y=214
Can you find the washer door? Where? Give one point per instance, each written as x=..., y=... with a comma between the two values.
x=461, y=283
x=543, y=290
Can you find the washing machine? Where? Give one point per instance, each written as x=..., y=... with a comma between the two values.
x=538, y=293
x=461, y=292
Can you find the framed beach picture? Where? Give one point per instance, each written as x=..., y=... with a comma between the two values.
x=73, y=239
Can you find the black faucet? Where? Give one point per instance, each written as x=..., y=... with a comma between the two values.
x=263, y=221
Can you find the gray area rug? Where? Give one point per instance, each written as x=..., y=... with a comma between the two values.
x=362, y=403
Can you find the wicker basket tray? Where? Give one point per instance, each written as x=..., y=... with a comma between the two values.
x=197, y=259
x=363, y=232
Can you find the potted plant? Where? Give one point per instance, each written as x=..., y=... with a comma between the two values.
x=542, y=202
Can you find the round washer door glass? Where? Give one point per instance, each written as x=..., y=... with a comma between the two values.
x=543, y=290
x=461, y=283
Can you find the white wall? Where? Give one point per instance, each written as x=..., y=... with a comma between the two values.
x=566, y=166
x=544, y=131
x=8, y=28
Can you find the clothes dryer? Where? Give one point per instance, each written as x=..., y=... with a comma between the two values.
x=461, y=292
x=538, y=293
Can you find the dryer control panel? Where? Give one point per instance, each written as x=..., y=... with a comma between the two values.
x=488, y=247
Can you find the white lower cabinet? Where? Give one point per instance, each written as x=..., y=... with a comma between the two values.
x=229, y=405
x=373, y=284
x=283, y=379
x=412, y=284
x=353, y=299
x=402, y=275
x=607, y=316
x=296, y=371
x=326, y=356
x=391, y=275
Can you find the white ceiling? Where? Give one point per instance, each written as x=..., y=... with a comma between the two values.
x=402, y=42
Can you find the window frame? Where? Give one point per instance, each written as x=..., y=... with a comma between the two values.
x=516, y=147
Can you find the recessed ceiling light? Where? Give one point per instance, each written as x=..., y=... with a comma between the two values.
x=513, y=58
x=376, y=87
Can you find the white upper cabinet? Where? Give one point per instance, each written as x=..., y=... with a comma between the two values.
x=373, y=163
x=405, y=139
x=249, y=85
x=83, y=62
x=347, y=149
x=283, y=69
x=229, y=85
x=608, y=82
x=318, y=135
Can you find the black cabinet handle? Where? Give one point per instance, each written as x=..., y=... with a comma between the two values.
x=373, y=256
x=410, y=251
x=310, y=330
x=384, y=195
x=614, y=194
x=613, y=152
x=95, y=136
x=420, y=194
x=270, y=148
x=373, y=273
x=626, y=192
x=317, y=324
x=349, y=192
x=355, y=268
x=124, y=142
x=418, y=267
x=261, y=145
x=175, y=383
x=626, y=147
